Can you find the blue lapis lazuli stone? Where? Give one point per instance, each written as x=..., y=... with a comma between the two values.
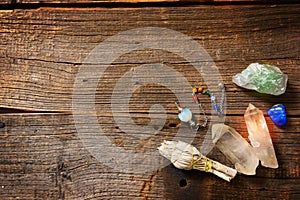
x=185, y=115
x=278, y=114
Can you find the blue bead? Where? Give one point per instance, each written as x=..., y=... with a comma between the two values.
x=216, y=107
x=278, y=114
x=185, y=115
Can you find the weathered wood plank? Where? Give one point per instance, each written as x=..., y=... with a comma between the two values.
x=136, y=1
x=42, y=51
x=5, y=2
x=42, y=156
x=194, y=185
x=45, y=158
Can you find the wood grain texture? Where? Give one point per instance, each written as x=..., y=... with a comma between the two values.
x=19, y=2
x=42, y=156
x=5, y=2
x=45, y=159
x=41, y=51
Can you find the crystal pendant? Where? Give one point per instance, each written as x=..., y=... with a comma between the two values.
x=185, y=115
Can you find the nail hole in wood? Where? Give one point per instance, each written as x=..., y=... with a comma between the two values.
x=2, y=125
x=172, y=125
x=182, y=183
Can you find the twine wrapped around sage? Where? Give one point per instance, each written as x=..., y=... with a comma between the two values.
x=187, y=157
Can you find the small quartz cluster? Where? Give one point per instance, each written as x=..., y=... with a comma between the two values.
x=244, y=156
x=235, y=148
x=263, y=78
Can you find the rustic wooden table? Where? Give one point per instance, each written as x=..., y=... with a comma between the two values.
x=42, y=47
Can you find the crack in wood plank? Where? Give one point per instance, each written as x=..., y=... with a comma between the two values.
x=147, y=185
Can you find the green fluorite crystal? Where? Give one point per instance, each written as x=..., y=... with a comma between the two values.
x=263, y=78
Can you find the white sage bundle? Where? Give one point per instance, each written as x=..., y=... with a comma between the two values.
x=186, y=156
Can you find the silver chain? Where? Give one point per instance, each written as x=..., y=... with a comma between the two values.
x=222, y=88
x=218, y=108
x=205, y=120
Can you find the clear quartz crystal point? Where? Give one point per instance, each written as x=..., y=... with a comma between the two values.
x=235, y=148
x=259, y=136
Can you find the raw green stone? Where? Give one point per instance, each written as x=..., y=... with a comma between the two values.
x=263, y=78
